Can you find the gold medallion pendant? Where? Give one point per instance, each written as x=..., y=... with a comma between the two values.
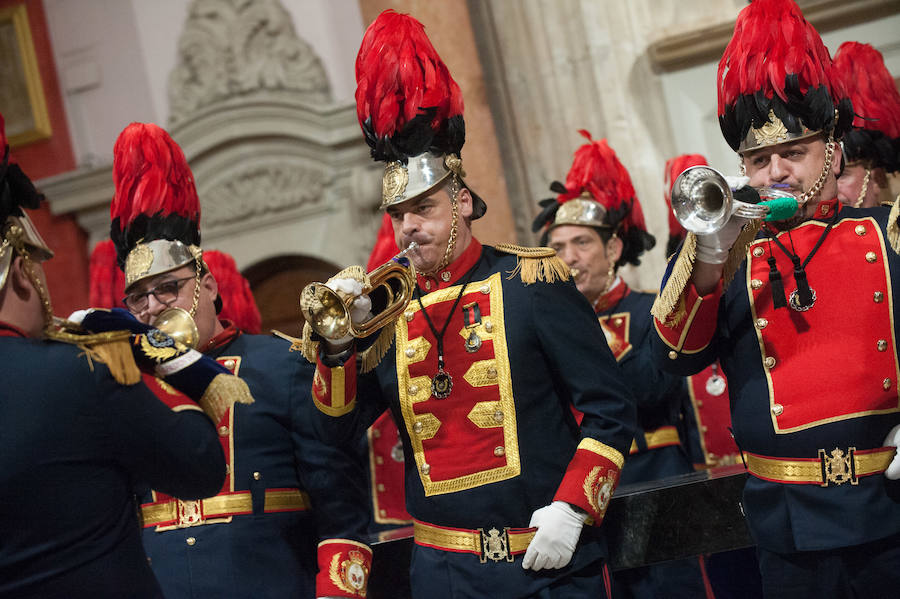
x=441, y=385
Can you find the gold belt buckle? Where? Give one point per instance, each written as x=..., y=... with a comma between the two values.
x=838, y=467
x=189, y=513
x=495, y=545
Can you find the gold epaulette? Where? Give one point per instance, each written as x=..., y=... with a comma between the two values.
x=536, y=263
x=112, y=348
x=369, y=359
x=893, y=228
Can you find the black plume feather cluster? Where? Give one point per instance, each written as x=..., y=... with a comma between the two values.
x=417, y=137
x=171, y=226
x=16, y=190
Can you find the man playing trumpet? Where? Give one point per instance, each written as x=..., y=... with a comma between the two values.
x=803, y=319
x=482, y=368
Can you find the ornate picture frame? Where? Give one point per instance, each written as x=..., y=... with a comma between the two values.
x=22, y=101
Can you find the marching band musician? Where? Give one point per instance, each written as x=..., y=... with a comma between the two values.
x=481, y=368
x=596, y=224
x=783, y=305
x=872, y=147
x=77, y=428
x=284, y=491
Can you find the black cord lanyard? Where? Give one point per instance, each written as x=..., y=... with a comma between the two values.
x=442, y=383
x=802, y=298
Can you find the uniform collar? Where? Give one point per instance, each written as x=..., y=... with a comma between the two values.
x=612, y=297
x=453, y=271
x=8, y=330
x=230, y=333
x=827, y=208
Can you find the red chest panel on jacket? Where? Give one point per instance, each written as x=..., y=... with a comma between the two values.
x=469, y=438
x=386, y=466
x=709, y=395
x=838, y=359
x=616, y=329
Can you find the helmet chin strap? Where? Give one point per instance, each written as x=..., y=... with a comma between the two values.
x=865, y=188
x=453, y=189
x=14, y=237
x=813, y=191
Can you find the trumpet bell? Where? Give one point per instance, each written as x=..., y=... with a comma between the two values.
x=178, y=324
x=325, y=311
x=702, y=200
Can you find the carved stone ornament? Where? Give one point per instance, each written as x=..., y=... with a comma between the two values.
x=232, y=48
x=273, y=188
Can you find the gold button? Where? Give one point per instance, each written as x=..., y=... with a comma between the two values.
x=257, y=476
x=756, y=283
x=492, y=372
x=190, y=541
x=881, y=345
x=413, y=389
x=445, y=276
x=878, y=297
x=488, y=326
x=229, y=364
x=376, y=433
x=499, y=451
x=426, y=468
x=223, y=431
x=769, y=362
x=871, y=257
x=383, y=513
x=417, y=427
x=860, y=230
x=758, y=251
x=498, y=416
x=380, y=488
x=618, y=322
x=379, y=460
x=704, y=429
x=762, y=323
x=409, y=314
x=699, y=403
x=410, y=352
x=673, y=354
x=427, y=284
x=886, y=383
x=777, y=409
x=485, y=289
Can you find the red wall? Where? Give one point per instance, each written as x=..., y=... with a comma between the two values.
x=67, y=272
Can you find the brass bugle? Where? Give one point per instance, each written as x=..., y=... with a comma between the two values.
x=178, y=324
x=703, y=203
x=390, y=289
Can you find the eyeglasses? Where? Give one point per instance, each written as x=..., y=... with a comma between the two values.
x=165, y=293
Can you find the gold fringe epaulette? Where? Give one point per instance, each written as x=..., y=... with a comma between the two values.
x=536, y=263
x=369, y=359
x=668, y=298
x=224, y=391
x=738, y=251
x=893, y=228
x=112, y=348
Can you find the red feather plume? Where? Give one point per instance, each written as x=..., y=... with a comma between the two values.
x=597, y=170
x=674, y=167
x=398, y=74
x=238, y=304
x=107, y=284
x=871, y=87
x=152, y=176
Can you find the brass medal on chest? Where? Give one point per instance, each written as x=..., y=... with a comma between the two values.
x=441, y=385
x=472, y=319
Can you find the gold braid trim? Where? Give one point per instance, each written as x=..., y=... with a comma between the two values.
x=224, y=391
x=536, y=263
x=668, y=298
x=306, y=346
x=738, y=251
x=893, y=228
x=112, y=348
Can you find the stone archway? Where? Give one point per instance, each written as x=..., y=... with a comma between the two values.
x=276, y=283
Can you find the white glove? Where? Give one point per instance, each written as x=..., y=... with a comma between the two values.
x=735, y=183
x=558, y=528
x=893, y=439
x=361, y=309
x=712, y=248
